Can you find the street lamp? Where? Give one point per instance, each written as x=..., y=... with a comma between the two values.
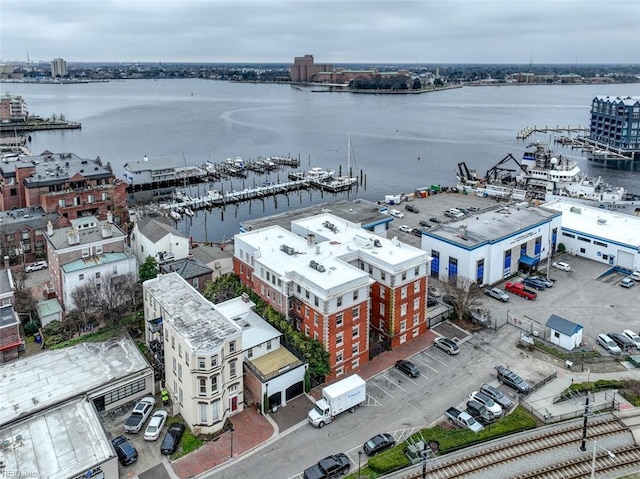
x=593, y=460
x=359, y=458
x=231, y=430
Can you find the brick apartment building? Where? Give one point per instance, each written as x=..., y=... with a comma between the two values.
x=338, y=284
x=22, y=234
x=64, y=183
x=13, y=108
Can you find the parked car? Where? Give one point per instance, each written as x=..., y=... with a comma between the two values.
x=623, y=342
x=172, y=438
x=433, y=291
x=431, y=302
x=378, y=443
x=561, y=265
x=463, y=210
x=405, y=228
x=425, y=224
x=548, y=283
x=480, y=413
x=492, y=406
x=141, y=412
x=635, y=276
x=37, y=266
x=416, y=232
x=156, y=423
x=511, y=379
x=127, y=454
x=413, y=209
x=498, y=396
x=534, y=283
x=435, y=219
x=633, y=337
x=396, y=213
x=627, y=283
x=607, y=343
x=329, y=467
x=447, y=345
x=408, y=368
x=473, y=209
x=449, y=299
x=497, y=293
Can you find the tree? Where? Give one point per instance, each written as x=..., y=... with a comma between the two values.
x=463, y=295
x=85, y=302
x=148, y=269
x=114, y=294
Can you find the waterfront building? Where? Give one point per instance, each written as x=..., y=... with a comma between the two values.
x=338, y=284
x=304, y=69
x=64, y=183
x=492, y=245
x=615, y=122
x=154, y=236
x=202, y=352
x=608, y=237
x=58, y=68
x=89, y=250
x=13, y=108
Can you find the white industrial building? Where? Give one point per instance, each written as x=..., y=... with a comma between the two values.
x=490, y=246
x=49, y=423
x=609, y=237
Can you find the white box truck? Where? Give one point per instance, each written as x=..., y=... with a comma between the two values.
x=346, y=394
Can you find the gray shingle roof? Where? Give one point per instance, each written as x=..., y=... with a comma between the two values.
x=155, y=229
x=563, y=326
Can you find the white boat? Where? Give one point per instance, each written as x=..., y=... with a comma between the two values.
x=541, y=176
x=188, y=211
x=319, y=174
x=175, y=215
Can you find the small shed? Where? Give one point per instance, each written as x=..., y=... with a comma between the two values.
x=564, y=333
x=49, y=310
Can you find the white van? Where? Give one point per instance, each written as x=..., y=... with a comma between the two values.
x=609, y=344
x=454, y=213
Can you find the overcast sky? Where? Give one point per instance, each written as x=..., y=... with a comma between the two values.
x=334, y=31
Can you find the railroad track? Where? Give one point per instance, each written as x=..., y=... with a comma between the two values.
x=625, y=457
x=514, y=450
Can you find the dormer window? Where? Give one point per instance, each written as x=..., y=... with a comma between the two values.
x=99, y=249
x=85, y=252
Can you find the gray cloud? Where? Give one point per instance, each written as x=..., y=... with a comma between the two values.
x=363, y=31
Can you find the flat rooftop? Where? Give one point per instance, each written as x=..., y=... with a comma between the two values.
x=40, y=381
x=610, y=226
x=61, y=442
x=196, y=319
x=274, y=361
x=491, y=226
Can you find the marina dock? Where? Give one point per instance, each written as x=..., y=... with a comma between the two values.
x=527, y=131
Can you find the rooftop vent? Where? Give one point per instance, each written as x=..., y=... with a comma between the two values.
x=287, y=249
x=575, y=209
x=330, y=226
x=317, y=266
x=601, y=221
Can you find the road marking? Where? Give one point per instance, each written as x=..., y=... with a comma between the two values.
x=435, y=359
x=425, y=364
x=388, y=394
x=394, y=383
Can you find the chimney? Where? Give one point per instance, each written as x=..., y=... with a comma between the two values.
x=311, y=239
x=245, y=297
x=49, y=228
x=6, y=262
x=109, y=217
x=107, y=230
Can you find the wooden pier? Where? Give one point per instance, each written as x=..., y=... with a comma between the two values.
x=527, y=131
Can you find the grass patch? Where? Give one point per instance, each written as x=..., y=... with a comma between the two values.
x=102, y=334
x=627, y=388
x=449, y=440
x=575, y=357
x=188, y=442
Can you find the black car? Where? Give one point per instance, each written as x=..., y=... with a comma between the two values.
x=413, y=209
x=622, y=341
x=435, y=219
x=479, y=412
x=408, y=368
x=331, y=466
x=535, y=283
x=378, y=444
x=127, y=454
x=431, y=302
x=172, y=438
x=511, y=379
x=416, y=232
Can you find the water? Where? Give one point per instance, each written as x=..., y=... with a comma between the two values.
x=399, y=142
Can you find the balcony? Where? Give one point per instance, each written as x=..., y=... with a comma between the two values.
x=155, y=325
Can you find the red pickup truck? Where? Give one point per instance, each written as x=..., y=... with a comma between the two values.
x=520, y=289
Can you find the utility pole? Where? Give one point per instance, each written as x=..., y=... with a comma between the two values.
x=583, y=446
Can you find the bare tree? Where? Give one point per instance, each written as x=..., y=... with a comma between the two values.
x=85, y=302
x=110, y=294
x=463, y=295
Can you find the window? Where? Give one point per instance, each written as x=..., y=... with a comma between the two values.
x=180, y=371
x=203, y=386
x=215, y=410
x=339, y=358
x=186, y=358
x=355, y=331
x=179, y=350
x=416, y=271
x=201, y=363
x=268, y=345
x=316, y=302
x=98, y=275
x=340, y=371
x=175, y=365
x=339, y=339
x=416, y=319
x=416, y=303
x=202, y=408
x=124, y=392
x=306, y=330
x=355, y=350
x=403, y=292
x=114, y=270
x=195, y=283
x=99, y=249
x=250, y=353
x=355, y=295
x=85, y=252
x=232, y=347
x=180, y=395
x=315, y=318
x=214, y=384
x=355, y=312
x=214, y=361
x=355, y=363
x=404, y=276
x=339, y=301
x=582, y=250
x=232, y=369
x=383, y=275
x=416, y=287
x=403, y=309
x=383, y=292
x=173, y=342
x=403, y=325
x=339, y=319
x=81, y=277
x=382, y=309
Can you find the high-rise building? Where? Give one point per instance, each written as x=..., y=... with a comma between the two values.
x=615, y=122
x=58, y=68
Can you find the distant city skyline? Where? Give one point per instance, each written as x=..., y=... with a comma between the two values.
x=334, y=31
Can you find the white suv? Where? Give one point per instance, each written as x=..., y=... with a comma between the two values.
x=396, y=213
x=609, y=344
x=561, y=265
x=37, y=266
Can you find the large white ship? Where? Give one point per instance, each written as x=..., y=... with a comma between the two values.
x=542, y=176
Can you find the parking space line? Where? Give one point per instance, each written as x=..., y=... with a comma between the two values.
x=425, y=364
x=393, y=382
x=435, y=359
x=388, y=394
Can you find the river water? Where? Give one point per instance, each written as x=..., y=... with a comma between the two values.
x=398, y=142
